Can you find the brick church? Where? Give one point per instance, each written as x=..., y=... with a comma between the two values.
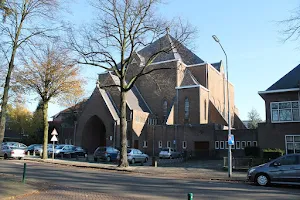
x=184, y=107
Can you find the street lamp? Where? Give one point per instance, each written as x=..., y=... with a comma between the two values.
x=228, y=100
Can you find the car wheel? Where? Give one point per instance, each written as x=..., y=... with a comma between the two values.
x=146, y=160
x=5, y=156
x=171, y=157
x=132, y=161
x=20, y=158
x=95, y=159
x=108, y=159
x=262, y=179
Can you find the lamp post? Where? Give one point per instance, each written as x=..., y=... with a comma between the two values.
x=228, y=101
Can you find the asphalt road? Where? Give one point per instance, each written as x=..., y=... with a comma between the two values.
x=84, y=183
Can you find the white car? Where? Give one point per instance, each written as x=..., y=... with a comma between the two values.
x=169, y=153
x=15, y=144
x=12, y=152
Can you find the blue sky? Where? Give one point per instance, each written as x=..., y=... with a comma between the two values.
x=249, y=32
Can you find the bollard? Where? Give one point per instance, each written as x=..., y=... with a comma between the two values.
x=33, y=153
x=154, y=161
x=86, y=157
x=28, y=153
x=190, y=196
x=24, y=173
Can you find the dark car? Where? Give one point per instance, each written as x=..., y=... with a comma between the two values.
x=31, y=148
x=79, y=151
x=283, y=170
x=106, y=153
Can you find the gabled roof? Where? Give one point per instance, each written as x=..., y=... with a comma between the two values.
x=188, y=79
x=289, y=81
x=217, y=65
x=134, y=99
x=180, y=52
x=78, y=107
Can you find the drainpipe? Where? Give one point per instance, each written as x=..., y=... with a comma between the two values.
x=114, y=141
x=153, y=145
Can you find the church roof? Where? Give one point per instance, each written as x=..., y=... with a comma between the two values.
x=288, y=81
x=217, y=65
x=189, y=79
x=180, y=52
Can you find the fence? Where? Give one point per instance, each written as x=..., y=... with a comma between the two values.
x=244, y=163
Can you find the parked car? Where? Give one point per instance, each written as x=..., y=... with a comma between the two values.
x=12, y=152
x=31, y=148
x=169, y=153
x=79, y=151
x=135, y=155
x=283, y=170
x=39, y=149
x=62, y=150
x=106, y=153
x=15, y=144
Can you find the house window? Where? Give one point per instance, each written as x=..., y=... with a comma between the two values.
x=238, y=144
x=217, y=146
x=160, y=144
x=221, y=144
x=145, y=144
x=226, y=144
x=233, y=146
x=243, y=144
x=255, y=143
x=248, y=143
x=292, y=144
x=184, y=144
x=186, y=108
x=168, y=143
x=286, y=111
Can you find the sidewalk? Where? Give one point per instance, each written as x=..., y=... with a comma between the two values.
x=204, y=170
x=11, y=187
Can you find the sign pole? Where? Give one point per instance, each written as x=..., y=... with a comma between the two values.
x=53, y=150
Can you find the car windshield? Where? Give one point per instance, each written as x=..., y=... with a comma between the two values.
x=165, y=149
x=59, y=147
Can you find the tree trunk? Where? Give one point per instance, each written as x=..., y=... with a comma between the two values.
x=123, y=127
x=5, y=95
x=45, y=121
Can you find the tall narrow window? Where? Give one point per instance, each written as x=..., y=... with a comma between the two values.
x=205, y=112
x=186, y=108
x=165, y=109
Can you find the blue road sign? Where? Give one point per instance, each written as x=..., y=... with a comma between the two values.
x=231, y=139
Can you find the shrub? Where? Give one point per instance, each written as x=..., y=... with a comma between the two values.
x=252, y=151
x=272, y=153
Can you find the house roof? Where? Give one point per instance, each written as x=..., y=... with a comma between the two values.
x=180, y=52
x=288, y=81
x=78, y=106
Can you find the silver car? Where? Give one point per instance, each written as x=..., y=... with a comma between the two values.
x=62, y=150
x=283, y=170
x=135, y=155
x=169, y=153
x=12, y=152
x=15, y=144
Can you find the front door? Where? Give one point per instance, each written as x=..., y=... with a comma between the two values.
x=202, y=149
x=136, y=144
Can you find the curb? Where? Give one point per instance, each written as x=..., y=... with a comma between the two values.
x=132, y=170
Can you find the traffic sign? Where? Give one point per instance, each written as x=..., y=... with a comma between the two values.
x=54, y=132
x=231, y=139
x=54, y=139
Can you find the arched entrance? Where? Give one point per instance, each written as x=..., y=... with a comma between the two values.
x=94, y=134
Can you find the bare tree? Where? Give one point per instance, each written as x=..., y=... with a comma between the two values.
x=51, y=75
x=291, y=30
x=254, y=119
x=111, y=41
x=25, y=21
